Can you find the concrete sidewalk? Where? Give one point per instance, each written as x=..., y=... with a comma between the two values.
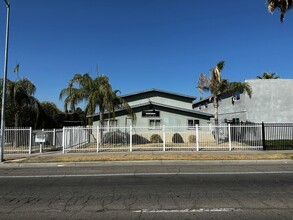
x=59, y=157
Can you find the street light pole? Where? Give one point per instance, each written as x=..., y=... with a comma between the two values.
x=2, y=134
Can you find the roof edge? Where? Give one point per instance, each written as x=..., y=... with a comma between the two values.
x=161, y=91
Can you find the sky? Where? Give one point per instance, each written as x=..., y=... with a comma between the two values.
x=143, y=44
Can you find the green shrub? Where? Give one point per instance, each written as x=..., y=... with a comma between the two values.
x=115, y=137
x=177, y=138
x=192, y=138
x=137, y=139
x=155, y=138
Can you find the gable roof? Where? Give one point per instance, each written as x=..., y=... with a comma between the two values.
x=160, y=106
x=156, y=92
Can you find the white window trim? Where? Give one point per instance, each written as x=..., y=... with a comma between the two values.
x=193, y=124
x=154, y=127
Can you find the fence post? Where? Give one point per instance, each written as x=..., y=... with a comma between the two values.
x=63, y=140
x=229, y=136
x=41, y=143
x=98, y=133
x=196, y=137
x=263, y=136
x=54, y=137
x=30, y=142
x=164, y=138
x=130, y=138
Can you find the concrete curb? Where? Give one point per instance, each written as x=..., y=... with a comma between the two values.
x=144, y=163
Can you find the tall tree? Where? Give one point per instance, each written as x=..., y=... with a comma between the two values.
x=218, y=86
x=23, y=109
x=72, y=97
x=202, y=81
x=21, y=95
x=51, y=117
x=267, y=75
x=119, y=103
x=282, y=5
x=97, y=93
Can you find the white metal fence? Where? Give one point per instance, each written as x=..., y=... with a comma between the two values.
x=165, y=138
x=17, y=140
x=79, y=139
x=24, y=141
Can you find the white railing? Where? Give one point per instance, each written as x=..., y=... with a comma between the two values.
x=164, y=138
x=78, y=139
x=24, y=141
x=53, y=140
x=17, y=140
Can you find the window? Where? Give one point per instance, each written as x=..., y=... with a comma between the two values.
x=192, y=123
x=111, y=123
x=235, y=121
x=154, y=124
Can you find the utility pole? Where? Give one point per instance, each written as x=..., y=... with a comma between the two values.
x=2, y=134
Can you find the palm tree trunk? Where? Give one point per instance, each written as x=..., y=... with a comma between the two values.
x=101, y=125
x=216, y=106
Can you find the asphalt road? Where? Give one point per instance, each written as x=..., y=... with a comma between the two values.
x=148, y=191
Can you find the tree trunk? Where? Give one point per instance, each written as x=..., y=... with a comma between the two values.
x=216, y=106
x=101, y=125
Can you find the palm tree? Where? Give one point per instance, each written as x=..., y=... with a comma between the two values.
x=23, y=107
x=218, y=86
x=201, y=83
x=96, y=92
x=282, y=5
x=119, y=103
x=21, y=95
x=72, y=97
x=21, y=100
x=267, y=75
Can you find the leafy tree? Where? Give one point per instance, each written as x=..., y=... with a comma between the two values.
x=282, y=5
x=52, y=116
x=218, y=86
x=267, y=75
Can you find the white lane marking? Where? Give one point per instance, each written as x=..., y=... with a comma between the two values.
x=186, y=210
x=147, y=174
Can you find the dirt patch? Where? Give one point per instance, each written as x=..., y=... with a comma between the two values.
x=150, y=156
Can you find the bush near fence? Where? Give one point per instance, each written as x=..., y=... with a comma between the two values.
x=178, y=138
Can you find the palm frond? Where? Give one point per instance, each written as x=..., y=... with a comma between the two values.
x=240, y=87
x=16, y=68
x=203, y=82
x=267, y=75
x=282, y=5
x=221, y=65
